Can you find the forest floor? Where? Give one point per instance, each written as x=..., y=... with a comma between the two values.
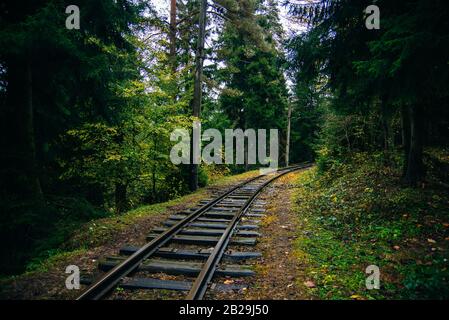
x=357, y=214
x=320, y=233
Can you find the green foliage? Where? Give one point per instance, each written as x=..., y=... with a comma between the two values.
x=356, y=214
x=43, y=228
x=87, y=114
x=372, y=87
x=134, y=154
x=424, y=281
x=54, y=80
x=202, y=177
x=255, y=94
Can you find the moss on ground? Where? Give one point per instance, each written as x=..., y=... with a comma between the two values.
x=358, y=214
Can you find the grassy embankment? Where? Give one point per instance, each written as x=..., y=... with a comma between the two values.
x=99, y=232
x=358, y=214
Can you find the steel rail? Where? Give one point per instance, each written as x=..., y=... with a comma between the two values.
x=111, y=279
x=201, y=283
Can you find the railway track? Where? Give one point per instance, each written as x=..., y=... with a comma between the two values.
x=192, y=243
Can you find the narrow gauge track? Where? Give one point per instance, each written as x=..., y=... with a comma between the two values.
x=216, y=224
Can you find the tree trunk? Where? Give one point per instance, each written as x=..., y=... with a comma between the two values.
x=193, y=183
x=172, y=35
x=386, y=130
x=405, y=121
x=154, y=185
x=121, y=198
x=348, y=141
x=287, y=147
x=30, y=135
x=385, y=124
x=198, y=91
x=245, y=147
x=246, y=153
x=415, y=166
x=21, y=163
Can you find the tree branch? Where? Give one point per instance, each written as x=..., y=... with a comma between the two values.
x=188, y=17
x=219, y=15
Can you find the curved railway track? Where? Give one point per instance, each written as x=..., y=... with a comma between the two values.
x=216, y=223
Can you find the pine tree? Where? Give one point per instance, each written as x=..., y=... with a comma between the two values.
x=255, y=93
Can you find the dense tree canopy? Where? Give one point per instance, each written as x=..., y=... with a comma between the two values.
x=374, y=76
x=86, y=115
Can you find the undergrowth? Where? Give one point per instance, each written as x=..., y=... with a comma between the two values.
x=356, y=214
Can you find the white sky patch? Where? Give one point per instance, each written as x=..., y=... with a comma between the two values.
x=162, y=6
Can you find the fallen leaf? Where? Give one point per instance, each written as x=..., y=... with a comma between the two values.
x=396, y=247
x=431, y=241
x=309, y=284
x=357, y=297
x=228, y=282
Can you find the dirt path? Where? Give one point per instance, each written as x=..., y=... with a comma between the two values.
x=278, y=272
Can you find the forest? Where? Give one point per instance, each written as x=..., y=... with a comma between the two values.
x=86, y=114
